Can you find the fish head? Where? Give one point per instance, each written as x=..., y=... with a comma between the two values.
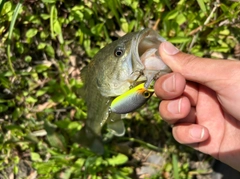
x=117, y=65
x=129, y=59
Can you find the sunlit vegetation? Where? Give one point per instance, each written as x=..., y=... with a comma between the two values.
x=44, y=44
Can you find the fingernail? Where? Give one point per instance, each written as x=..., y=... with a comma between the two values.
x=169, y=48
x=197, y=132
x=169, y=84
x=174, y=106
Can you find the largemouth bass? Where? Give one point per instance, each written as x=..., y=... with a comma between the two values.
x=115, y=69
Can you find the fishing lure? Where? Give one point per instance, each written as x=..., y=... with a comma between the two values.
x=131, y=100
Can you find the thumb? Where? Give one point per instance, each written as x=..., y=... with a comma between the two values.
x=214, y=74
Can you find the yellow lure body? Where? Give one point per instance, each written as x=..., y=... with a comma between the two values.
x=131, y=100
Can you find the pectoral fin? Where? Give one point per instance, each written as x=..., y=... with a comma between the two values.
x=116, y=125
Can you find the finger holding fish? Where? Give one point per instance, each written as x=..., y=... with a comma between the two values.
x=153, y=65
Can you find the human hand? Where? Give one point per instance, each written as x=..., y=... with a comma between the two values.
x=201, y=98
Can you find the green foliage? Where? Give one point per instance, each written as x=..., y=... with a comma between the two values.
x=43, y=46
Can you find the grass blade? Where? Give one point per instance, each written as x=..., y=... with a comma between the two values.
x=202, y=6
x=1, y=5
x=175, y=166
x=150, y=146
x=14, y=18
x=114, y=7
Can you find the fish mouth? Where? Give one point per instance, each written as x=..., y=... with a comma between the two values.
x=146, y=53
x=148, y=39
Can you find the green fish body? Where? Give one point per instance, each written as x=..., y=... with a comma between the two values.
x=112, y=72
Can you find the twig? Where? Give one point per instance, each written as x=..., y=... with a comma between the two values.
x=156, y=24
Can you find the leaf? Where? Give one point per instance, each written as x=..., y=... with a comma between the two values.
x=124, y=25
x=99, y=161
x=74, y=125
x=79, y=162
x=31, y=99
x=7, y=7
x=45, y=16
x=41, y=67
x=172, y=15
x=17, y=113
x=50, y=51
x=117, y=160
x=49, y=1
x=168, y=167
x=220, y=49
x=181, y=19
x=57, y=27
x=4, y=82
x=41, y=45
x=57, y=140
x=202, y=6
x=34, y=19
x=35, y=157
x=44, y=167
x=31, y=33
x=97, y=29
x=20, y=47
x=224, y=32
x=28, y=58
x=53, y=18
x=78, y=8
x=131, y=25
x=179, y=39
x=16, y=34
x=78, y=15
x=44, y=34
x=224, y=8
x=42, y=91
x=58, y=30
x=127, y=170
x=15, y=169
x=167, y=2
x=3, y=108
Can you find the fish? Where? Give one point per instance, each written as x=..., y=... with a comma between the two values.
x=113, y=71
x=131, y=100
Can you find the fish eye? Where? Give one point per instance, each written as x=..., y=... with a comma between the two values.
x=119, y=51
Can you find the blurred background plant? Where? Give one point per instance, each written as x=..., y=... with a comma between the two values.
x=44, y=45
